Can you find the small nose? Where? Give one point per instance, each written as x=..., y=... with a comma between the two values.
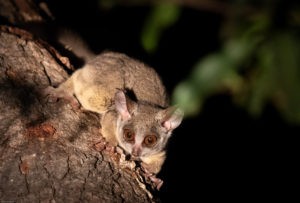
x=136, y=151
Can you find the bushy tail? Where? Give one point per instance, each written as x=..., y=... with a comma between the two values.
x=74, y=43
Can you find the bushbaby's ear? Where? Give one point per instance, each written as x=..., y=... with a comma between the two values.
x=121, y=104
x=171, y=118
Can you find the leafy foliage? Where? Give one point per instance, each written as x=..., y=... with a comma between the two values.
x=161, y=17
x=258, y=64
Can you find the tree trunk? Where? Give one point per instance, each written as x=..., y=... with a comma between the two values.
x=50, y=152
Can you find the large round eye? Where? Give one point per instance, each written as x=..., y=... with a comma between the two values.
x=128, y=135
x=150, y=140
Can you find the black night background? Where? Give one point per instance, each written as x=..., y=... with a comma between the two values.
x=223, y=152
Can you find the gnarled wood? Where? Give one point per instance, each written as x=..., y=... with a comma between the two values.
x=49, y=151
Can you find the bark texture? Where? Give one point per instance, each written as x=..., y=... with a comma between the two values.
x=50, y=152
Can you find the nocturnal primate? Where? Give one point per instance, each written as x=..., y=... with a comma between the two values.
x=132, y=101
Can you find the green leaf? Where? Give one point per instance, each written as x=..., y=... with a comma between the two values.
x=208, y=76
x=286, y=48
x=161, y=17
x=187, y=98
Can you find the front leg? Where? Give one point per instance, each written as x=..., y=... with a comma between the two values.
x=151, y=165
x=156, y=181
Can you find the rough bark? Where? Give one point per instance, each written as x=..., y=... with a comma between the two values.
x=50, y=152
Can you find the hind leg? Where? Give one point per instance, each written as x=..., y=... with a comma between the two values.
x=95, y=98
x=64, y=90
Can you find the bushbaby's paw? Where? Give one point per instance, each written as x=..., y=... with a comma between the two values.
x=49, y=94
x=157, y=182
x=52, y=95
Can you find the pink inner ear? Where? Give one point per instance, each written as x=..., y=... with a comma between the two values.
x=121, y=106
x=167, y=125
x=125, y=115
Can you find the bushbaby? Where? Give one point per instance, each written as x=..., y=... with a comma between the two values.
x=132, y=101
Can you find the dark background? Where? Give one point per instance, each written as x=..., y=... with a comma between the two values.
x=223, y=154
